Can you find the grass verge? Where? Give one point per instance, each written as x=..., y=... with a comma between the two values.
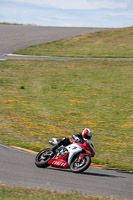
x=12, y=193
x=7, y=23
x=44, y=99
x=114, y=43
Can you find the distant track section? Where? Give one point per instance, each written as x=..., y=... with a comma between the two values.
x=15, y=37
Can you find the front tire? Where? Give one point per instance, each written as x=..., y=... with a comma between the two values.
x=43, y=157
x=78, y=166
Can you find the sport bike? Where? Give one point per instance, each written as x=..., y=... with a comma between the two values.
x=75, y=156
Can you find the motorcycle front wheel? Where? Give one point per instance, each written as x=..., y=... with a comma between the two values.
x=43, y=157
x=78, y=165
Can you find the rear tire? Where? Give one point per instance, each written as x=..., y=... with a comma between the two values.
x=43, y=157
x=78, y=166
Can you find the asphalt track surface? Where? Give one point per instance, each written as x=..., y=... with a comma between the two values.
x=17, y=168
x=15, y=37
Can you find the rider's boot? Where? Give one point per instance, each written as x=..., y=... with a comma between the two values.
x=54, y=148
x=57, y=145
x=64, y=141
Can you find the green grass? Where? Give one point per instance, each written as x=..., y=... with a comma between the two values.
x=44, y=99
x=114, y=43
x=12, y=193
x=8, y=23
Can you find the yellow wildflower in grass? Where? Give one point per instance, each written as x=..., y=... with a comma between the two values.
x=118, y=143
x=112, y=106
x=18, y=96
x=82, y=97
x=10, y=107
x=52, y=127
x=31, y=124
x=12, y=92
x=131, y=117
x=90, y=123
x=9, y=101
x=70, y=112
x=77, y=101
x=115, y=106
x=122, y=144
x=128, y=126
x=109, y=144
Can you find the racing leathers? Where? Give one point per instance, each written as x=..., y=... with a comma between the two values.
x=78, y=138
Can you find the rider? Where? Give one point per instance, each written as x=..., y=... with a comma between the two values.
x=79, y=137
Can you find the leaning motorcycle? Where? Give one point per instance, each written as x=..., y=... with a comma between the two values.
x=76, y=156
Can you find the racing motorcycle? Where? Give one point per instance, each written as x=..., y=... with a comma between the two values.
x=75, y=156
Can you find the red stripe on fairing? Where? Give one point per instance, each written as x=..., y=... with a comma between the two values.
x=56, y=162
x=86, y=147
x=59, y=162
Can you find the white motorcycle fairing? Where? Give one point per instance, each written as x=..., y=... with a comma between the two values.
x=73, y=149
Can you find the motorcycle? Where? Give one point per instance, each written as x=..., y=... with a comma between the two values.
x=75, y=156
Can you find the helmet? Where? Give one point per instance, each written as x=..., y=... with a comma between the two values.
x=87, y=133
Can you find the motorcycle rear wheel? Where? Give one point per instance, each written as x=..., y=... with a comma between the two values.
x=78, y=166
x=43, y=157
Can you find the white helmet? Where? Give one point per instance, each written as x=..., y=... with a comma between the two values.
x=87, y=133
